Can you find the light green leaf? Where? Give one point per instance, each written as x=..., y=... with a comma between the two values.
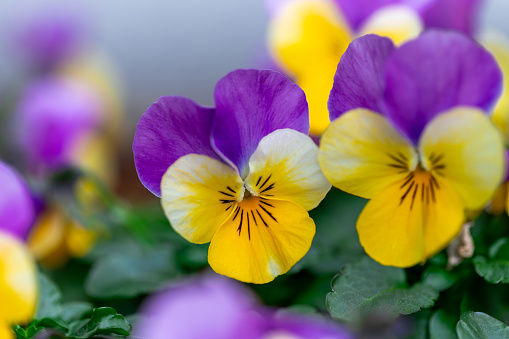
x=442, y=325
x=495, y=269
x=438, y=278
x=103, y=320
x=477, y=325
x=368, y=287
x=49, y=299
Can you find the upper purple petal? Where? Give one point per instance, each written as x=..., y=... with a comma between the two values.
x=16, y=207
x=357, y=11
x=461, y=15
x=435, y=72
x=359, y=80
x=52, y=117
x=250, y=104
x=170, y=128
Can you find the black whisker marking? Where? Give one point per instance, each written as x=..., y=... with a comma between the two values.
x=228, y=194
x=256, y=223
x=413, y=196
x=409, y=178
x=262, y=218
x=265, y=181
x=422, y=192
x=236, y=213
x=229, y=188
x=401, y=162
x=260, y=178
x=437, y=159
x=432, y=189
x=248, y=226
x=229, y=207
x=434, y=181
x=397, y=166
x=270, y=214
x=223, y=201
x=268, y=188
x=439, y=167
x=266, y=203
x=241, y=219
x=406, y=193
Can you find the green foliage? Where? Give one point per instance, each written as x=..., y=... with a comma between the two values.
x=477, y=325
x=75, y=320
x=369, y=288
x=495, y=269
x=442, y=325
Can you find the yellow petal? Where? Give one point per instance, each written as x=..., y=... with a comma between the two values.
x=308, y=34
x=361, y=153
x=79, y=240
x=47, y=237
x=6, y=331
x=18, y=281
x=464, y=147
x=499, y=202
x=317, y=87
x=398, y=22
x=285, y=166
x=198, y=194
x=410, y=220
x=499, y=47
x=261, y=240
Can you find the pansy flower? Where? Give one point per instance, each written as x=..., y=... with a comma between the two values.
x=225, y=310
x=18, y=285
x=307, y=37
x=241, y=175
x=410, y=131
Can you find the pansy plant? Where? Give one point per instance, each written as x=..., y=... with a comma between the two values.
x=241, y=175
x=410, y=131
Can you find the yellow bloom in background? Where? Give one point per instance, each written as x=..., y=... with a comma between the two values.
x=18, y=285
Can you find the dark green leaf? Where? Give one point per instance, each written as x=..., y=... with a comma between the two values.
x=442, y=325
x=49, y=299
x=477, y=325
x=19, y=332
x=104, y=320
x=438, y=278
x=370, y=288
x=131, y=274
x=75, y=310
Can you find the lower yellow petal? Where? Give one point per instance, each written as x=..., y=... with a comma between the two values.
x=285, y=166
x=398, y=22
x=361, y=153
x=18, y=281
x=317, y=86
x=261, y=240
x=198, y=194
x=464, y=147
x=410, y=220
x=6, y=331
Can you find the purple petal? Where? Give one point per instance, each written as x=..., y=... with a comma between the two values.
x=212, y=308
x=461, y=15
x=250, y=104
x=170, y=128
x=16, y=208
x=357, y=11
x=53, y=115
x=307, y=327
x=359, y=80
x=435, y=72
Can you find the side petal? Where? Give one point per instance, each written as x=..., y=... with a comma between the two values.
x=198, y=194
x=410, y=220
x=250, y=104
x=16, y=207
x=464, y=147
x=398, y=22
x=361, y=153
x=459, y=15
x=434, y=73
x=18, y=281
x=306, y=35
x=359, y=79
x=170, y=128
x=285, y=166
x=356, y=12
x=261, y=240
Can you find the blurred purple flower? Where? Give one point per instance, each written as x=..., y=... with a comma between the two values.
x=53, y=115
x=219, y=308
x=16, y=207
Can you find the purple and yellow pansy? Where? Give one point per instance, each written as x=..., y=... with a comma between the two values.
x=308, y=37
x=18, y=283
x=241, y=175
x=410, y=131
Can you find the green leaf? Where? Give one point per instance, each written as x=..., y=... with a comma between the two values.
x=50, y=299
x=495, y=269
x=477, y=325
x=368, y=287
x=131, y=274
x=19, y=332
x=103, y=320
x=75, y=310
x=442, y=325
x=438, y=278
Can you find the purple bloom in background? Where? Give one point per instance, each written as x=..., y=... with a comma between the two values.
x=218, y=308
x=53, y=115
x=16, y=206
x=49, y=37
